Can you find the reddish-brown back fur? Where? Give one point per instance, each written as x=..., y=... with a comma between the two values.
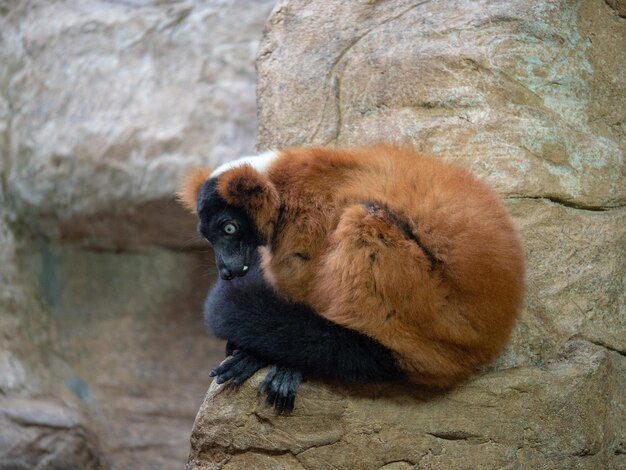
x=357, y=268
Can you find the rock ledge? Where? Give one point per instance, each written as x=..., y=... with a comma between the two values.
x=565, y=414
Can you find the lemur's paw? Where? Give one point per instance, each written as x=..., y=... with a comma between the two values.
x=281, y=386
x=237, y=368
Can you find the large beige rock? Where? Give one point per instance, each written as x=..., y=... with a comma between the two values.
x=528, y=417
x=532, y=97
x=105, y=104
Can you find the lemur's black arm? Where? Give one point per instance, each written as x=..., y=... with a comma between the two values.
x=247, y=312
x=268, y=329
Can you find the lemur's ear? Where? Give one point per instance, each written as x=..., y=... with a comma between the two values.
x=253, y=191
x=190, y=187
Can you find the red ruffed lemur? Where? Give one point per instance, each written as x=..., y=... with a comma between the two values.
x=365, y=264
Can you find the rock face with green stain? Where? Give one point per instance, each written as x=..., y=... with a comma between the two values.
x=531, y=95
x=103, y=357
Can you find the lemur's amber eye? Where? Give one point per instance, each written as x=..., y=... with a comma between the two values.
x=230, y=229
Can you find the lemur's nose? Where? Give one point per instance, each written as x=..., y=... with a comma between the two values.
x=226, y=274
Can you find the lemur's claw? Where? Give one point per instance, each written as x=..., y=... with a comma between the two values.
x=281, y=387
x=237, y=368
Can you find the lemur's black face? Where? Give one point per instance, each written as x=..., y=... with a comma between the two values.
x=230, y=231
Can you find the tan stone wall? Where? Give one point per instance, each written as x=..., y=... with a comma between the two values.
x=531, y=95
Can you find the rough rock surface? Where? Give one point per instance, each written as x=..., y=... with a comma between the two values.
x=105, y=103
x=532, y=97
x=51, y=436
x=528, y=417
x=103, y=356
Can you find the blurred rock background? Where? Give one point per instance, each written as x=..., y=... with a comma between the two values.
x=531, y=95
x=103, y=104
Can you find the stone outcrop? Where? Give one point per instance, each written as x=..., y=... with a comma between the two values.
x=533, y=417
x=43, y=434
x=103, y=104
x=532, y=97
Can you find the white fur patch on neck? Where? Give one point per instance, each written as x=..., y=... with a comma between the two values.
x=259, y=162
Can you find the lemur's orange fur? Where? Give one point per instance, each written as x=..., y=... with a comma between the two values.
x=191, y=184
x=443, y=302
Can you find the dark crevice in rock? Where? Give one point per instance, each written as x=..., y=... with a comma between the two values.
x=569, y=204
x=232, y=451
x=600, y=344
x=459, y=436
x=318, y=446
x=586, y=452
x=408, y=462
x=619, y=6
x=25, y=422
x=228, y=452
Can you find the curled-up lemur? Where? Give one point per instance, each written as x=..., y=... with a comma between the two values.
x=376, y=263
